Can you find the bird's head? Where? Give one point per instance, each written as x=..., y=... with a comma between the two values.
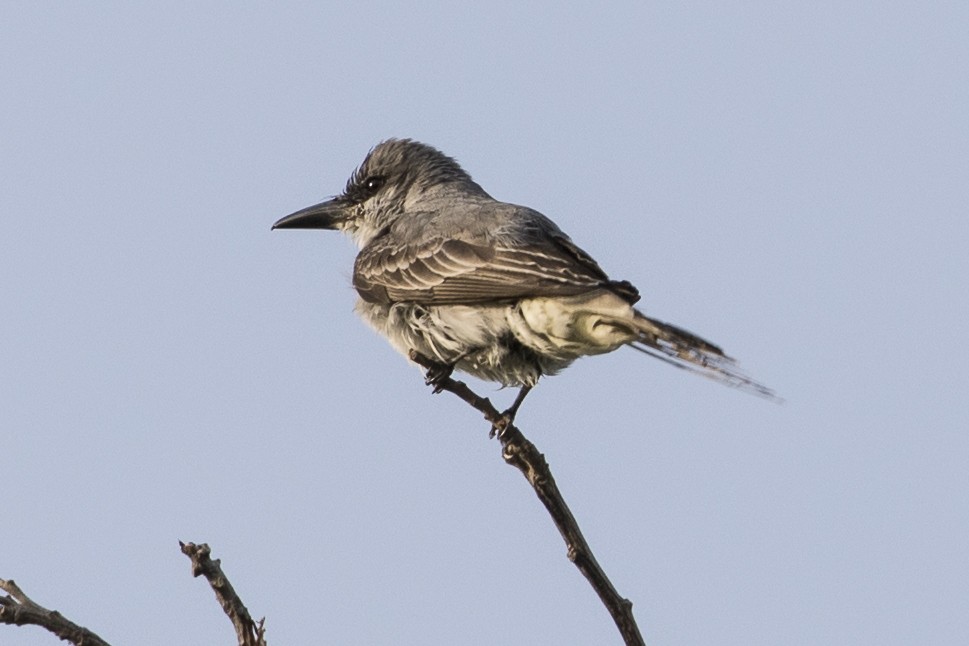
x=398, y=176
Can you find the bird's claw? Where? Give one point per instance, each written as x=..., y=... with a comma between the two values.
x=437, y=376
x=502, y=424
x=436, y=373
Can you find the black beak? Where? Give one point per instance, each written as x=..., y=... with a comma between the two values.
x=325, y=215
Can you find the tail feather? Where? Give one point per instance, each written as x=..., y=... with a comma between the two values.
x=690, y=352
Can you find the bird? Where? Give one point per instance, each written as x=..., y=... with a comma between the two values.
x=461, y=281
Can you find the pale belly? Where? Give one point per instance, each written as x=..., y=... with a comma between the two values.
x=513, y=344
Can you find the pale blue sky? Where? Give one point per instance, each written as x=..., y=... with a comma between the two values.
x=787, y=179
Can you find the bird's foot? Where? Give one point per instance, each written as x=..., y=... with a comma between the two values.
x=437, y=376
x=436, y=373
x=502, y=424
x=508, y=417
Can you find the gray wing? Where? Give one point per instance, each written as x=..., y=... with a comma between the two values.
x=452, y=271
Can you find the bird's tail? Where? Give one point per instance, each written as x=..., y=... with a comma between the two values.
x=686, y=350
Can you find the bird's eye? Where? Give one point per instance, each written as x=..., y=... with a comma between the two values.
x=372, y=184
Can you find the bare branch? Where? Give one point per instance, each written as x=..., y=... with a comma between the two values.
x=17, y=609
x=248, y=632
x=522, y=454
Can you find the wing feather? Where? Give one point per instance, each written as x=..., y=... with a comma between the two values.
x=442, y=271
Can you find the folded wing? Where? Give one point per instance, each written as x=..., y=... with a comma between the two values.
x=441, y=271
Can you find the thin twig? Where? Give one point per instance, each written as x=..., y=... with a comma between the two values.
x=17, y=609
x=248, y=632
x=522, y=454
